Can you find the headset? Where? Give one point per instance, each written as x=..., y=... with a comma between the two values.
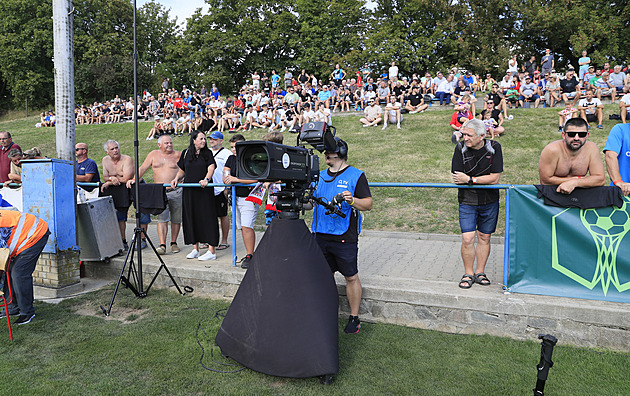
x=342, y=148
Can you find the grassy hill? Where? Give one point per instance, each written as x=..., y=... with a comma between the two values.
x=420, y=152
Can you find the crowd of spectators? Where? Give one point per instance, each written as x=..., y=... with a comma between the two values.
x=284, y=101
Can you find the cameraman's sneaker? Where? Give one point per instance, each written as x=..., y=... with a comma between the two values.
x=24, y=319
x=246, y=260
x=353, y=326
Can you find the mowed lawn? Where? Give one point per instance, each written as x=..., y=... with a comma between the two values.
x=420, y=152
x=153, y=346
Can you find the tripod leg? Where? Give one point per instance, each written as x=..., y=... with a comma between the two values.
x=162, y=265
x=121, y=277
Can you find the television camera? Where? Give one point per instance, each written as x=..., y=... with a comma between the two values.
x=295, y=166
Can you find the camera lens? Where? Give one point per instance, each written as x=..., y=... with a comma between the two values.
x=255, y=161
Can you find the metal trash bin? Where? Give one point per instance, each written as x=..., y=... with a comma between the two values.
x=98, y=232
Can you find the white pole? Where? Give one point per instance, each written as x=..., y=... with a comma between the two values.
x=64, y=78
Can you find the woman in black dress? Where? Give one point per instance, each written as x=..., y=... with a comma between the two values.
x=196, y=165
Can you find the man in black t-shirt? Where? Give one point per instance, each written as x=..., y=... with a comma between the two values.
x=476, y=161
x=495, y=114
x=338, y=236
x=498, y=99
x=570, y=86
x=414, y=103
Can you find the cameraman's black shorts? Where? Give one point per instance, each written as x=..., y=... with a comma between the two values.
x=341, y=256
x=221, y=203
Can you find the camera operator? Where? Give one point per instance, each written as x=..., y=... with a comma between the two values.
x=338, y=237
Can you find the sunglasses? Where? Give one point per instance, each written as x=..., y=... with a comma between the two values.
x=79, y=149
x=580, y=134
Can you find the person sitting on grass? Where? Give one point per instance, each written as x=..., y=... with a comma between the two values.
x=373, y=115
x=566, y=114
x=456, y=123
x=392, y=113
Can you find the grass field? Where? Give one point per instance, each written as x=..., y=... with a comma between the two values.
x=420, y=152
x=150, y=346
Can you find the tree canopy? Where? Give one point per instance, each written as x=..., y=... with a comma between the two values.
x=237, y=37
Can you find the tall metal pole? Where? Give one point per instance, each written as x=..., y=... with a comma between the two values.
x=135, y=147
x=64, y=78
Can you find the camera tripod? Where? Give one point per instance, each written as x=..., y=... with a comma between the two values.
x=133, y=279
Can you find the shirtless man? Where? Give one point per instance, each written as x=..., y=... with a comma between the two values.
x=164, y=164
x=572, y=162
x=119, y=169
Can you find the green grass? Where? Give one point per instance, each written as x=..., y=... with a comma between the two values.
x=149, y=346
x=420, y=152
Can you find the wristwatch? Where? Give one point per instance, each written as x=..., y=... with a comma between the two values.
x=470, y=181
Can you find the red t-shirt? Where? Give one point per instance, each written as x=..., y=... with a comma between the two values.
x=455, y=121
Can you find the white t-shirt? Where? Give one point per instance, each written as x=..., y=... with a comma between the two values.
x=217, y=176
x=626, y=99
x=445, y=86
x=585, y=102
x=393, y=72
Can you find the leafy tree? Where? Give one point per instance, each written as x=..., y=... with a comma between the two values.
x=26, y=52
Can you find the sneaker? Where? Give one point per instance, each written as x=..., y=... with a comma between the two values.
x=193, y=255
x=559, y=129
x=283, y=129
x=365, y=125
x=175, y=248
x=23, y=319
x=207, y=256
x=600, y=126
x=510, y=117
x=246, y=260
x=398, y=125
x=353, y=326
x=413, y=111
x=143, y=244
x=161, y=250
x=125, y=246
x=384, y=127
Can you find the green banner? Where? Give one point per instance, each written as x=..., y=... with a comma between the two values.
x=568, y=252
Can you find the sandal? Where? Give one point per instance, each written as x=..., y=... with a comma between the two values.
x=482, y=279
x=223, y=246
x=467, y=281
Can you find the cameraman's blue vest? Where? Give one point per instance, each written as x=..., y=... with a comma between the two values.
x=333, y=224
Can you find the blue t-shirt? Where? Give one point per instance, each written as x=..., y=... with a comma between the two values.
x=584, y=59
x=619, y=142
x=274, y=79
x=86, y=167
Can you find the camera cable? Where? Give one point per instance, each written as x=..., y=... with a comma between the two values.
x=217, y=315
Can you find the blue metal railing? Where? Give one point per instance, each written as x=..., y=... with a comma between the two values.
x=506, y=260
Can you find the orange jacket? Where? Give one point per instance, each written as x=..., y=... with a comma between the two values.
x=29, y=230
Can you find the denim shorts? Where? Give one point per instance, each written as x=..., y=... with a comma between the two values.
x=145, y=218
x=481, y=218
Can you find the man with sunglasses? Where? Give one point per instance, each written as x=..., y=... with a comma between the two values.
x=496, y=115
x=573, y=161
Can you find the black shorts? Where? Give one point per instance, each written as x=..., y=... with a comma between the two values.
x=341, y=256
x=221, y=203
x=591, y=117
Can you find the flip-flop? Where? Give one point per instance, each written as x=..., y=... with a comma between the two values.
x=222, y=246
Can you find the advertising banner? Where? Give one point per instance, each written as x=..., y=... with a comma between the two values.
x=568, y=252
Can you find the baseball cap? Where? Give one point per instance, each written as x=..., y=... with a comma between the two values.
x=216, y=135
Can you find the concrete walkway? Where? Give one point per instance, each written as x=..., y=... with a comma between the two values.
x=412, y=279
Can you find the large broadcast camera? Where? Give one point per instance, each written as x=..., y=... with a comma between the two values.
x=295, y=166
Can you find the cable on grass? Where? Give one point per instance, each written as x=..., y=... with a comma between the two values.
x=218, y=314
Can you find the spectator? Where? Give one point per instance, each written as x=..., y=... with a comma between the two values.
x=163, y=161
x=624, y=107
x=445, y=90
x=529, y=92
x=256, y=80
x=383, y=93
x=373, y=114
x=494, y=114
x=337, y=75
x=415, y=101
x=617, y=158
x=15, y=175
x=476, y=161
x=530, y=66
x=553, y=94
x=512, y=66
x=246, y=211
x=489, y=82
x=196, y=165
x=86, y=168
x=457, y=119
x=498, y=100
x=566, y=114
x=288, y=78
x=591, y=109
x=618, y=80
x=605, y=87
x=393, y=72
x=588, y=76
x=571, y=162
x=393, y=113
x=584, y=62
x=118, y=169
x=547, y=63
x=506, y=83
x=6, y=144
x=570, y=86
